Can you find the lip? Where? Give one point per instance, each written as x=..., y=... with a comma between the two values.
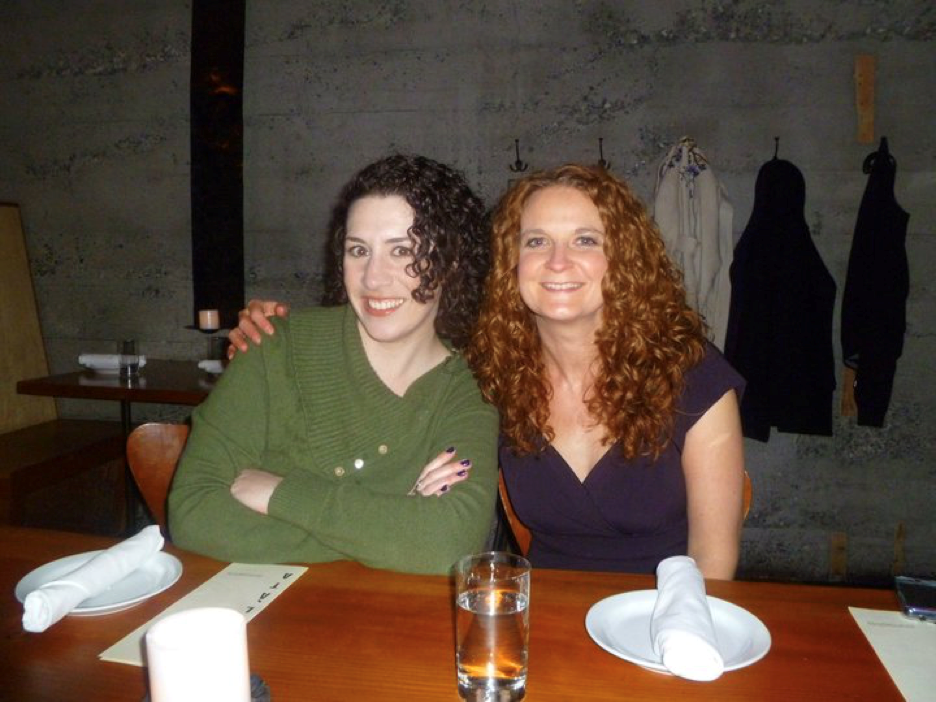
x=382, y=306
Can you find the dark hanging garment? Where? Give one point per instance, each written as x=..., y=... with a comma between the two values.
x=874, y=306
x=780, y=321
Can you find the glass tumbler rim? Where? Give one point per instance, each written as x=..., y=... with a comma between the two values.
x=496, y=557
x=517, y=569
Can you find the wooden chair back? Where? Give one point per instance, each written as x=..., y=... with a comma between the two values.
x=522, y=535
x=748, y=495
x=153, y=451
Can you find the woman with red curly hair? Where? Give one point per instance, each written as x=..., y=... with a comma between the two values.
x=620, y=434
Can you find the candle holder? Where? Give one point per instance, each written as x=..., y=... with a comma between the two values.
x=217, y=348
x=209, y=323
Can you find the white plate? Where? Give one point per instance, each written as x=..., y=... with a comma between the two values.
x=151, y=578
x=620, y=624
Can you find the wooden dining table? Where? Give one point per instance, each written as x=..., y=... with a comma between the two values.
x=344, y=631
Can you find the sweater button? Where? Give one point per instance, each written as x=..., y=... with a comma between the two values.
x=382, y=449
x=339, y=471
x=358, y=463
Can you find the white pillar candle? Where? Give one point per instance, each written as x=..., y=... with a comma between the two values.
x=208, y=319
x=197, y=655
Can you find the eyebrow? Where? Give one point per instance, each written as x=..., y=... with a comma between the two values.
x=580, y=230
x=395, y=240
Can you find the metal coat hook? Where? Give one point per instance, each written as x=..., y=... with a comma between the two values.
x=882, y=152
x=518, y=165
x=601, y=159
x=776, y=147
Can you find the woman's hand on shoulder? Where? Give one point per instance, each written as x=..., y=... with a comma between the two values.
x=251, y=321
x=441, y=473
x=254, y=488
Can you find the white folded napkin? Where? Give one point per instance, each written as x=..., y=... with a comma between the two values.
x=211, y=366
x=681, y=625
x=104, y=361
x=52, y=601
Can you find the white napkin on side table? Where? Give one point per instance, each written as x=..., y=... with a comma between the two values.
x=103, y=361
x=211, y=366
x=52, y=601
x=681, y=625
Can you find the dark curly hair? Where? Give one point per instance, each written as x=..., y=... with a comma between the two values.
x=449, y=233
x=649, y=336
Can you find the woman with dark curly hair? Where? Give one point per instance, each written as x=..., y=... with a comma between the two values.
x=621, y=441
x=326, y=443
x=450, y=241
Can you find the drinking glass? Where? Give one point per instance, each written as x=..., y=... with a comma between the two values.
x=128, y=359
x=492, y=623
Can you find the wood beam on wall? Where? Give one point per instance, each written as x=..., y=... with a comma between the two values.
x=864, y=97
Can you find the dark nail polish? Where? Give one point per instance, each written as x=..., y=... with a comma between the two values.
x=462, y=473
x=444, y=488
x=450, y=449
x=466, y=462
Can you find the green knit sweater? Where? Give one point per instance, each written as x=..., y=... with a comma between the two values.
x=307, y=405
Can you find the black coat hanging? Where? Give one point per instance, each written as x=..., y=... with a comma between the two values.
x=780, y=323
x=874, y=316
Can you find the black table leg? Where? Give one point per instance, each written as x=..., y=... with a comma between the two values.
x=132, y=494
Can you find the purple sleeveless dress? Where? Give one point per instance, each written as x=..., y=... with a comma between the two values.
x=627, y=515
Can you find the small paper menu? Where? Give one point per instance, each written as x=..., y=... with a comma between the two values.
x=906, y=647
x=247, y=588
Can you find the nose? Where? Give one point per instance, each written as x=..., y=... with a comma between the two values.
x=558, y=258
x=376, y=273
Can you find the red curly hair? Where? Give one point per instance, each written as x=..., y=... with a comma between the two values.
x=648, y=340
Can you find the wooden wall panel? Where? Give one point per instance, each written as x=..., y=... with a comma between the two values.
x=22, y=353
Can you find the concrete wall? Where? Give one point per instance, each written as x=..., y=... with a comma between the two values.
x=94, y=147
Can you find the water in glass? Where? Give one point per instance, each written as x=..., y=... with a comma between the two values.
x=493, y=630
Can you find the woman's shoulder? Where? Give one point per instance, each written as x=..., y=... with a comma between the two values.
x=457, y=368
x=708, y=381
x=714, y=368
x=314, y=316
x=311, y=323
x=307, y=332
x=460, y=385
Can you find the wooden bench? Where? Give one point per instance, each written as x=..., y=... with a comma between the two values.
x=64, y=474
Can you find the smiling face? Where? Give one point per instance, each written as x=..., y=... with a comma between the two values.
x=377, y=250
x=562, y=261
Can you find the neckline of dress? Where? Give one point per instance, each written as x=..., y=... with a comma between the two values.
x=572, y=473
